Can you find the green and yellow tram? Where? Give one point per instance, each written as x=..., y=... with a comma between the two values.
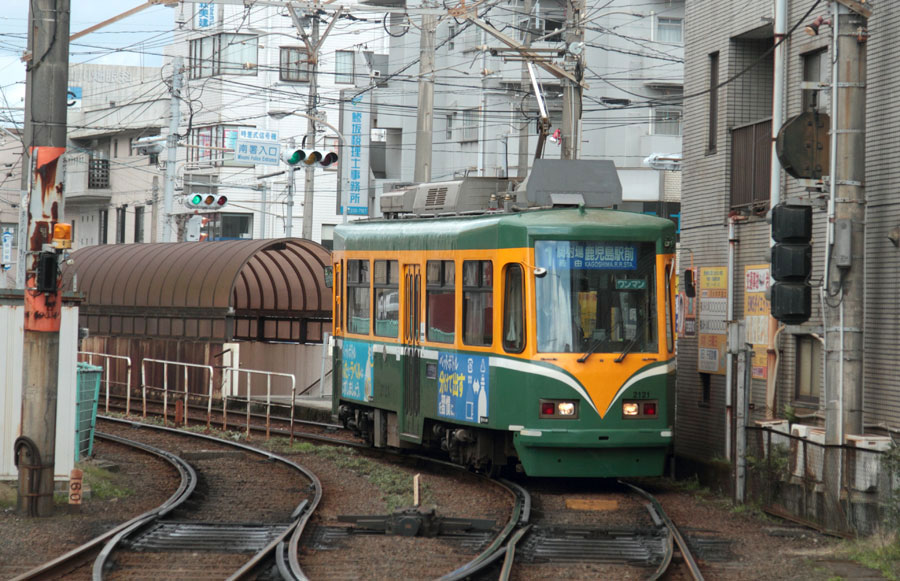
x=543, y=337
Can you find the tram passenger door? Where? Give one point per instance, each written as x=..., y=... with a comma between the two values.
x=412, y=421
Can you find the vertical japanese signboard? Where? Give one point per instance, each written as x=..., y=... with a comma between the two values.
x=204, y=15
x=756, y=314
x=356, y=125
x=713, y=294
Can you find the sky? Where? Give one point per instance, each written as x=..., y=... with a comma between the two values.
x=115, y=44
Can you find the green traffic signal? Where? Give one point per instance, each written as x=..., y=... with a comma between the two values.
x=296, y=157
x=196, y=200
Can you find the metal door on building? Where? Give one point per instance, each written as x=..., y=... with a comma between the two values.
x=412, y=420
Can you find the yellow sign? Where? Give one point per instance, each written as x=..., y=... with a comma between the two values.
x=756, y=315
x=713, y=294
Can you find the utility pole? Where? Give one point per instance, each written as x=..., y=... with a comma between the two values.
x=313, y=45
x=311, y=110
x=288, y=225
x=845, y=282
x=425, y=106
x=572, y=91
x=46, y=86
x=172, y=149
x=526, y=81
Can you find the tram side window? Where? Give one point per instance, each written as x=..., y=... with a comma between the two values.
x=440, y=281
x=478, y=302
x=386, y=280
x=513, y=311
x=358, y=296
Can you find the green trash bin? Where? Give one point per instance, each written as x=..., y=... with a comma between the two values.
x=88, y=388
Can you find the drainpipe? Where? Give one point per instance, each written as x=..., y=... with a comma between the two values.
x=781, y=11
x=729, y=321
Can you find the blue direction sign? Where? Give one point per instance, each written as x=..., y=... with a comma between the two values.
x=259, y=146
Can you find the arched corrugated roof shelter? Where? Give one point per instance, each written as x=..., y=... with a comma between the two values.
x=265, y=290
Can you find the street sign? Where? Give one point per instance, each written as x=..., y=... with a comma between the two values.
x=259, y=146
x=6, y=239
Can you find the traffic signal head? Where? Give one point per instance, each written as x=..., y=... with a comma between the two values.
x=206, y=201
x=791, y=297
x=310, y=158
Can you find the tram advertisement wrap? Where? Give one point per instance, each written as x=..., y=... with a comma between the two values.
x=357, y=371
x=463, y=387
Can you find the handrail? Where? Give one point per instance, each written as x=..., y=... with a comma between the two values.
x=165, y=387
x=268, y=375
x=127, y=360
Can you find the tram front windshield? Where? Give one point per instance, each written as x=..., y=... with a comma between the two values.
x=596, y=296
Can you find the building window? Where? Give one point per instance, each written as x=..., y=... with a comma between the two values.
x=810, y=373
x=551, y=25
x=478, y=302
x=139, y=224
x=294, y=64
x=751, y=162
x=513, y=310
x=713, y=120
x=386, y=280
x=814, y=64
x=669, y=30
x=120, y=224
x=450, y=126
x=440, y=297
x=223, y=54
x=102, y=225
x=98, y=173
x=358, y=296
x=451, y=35
x=705, y=389
x=468, y=126
x=203, y=140
x=666, y=121
x=343, y=66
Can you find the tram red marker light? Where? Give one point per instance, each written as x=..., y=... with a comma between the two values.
x=650, y=408
x=548, y=408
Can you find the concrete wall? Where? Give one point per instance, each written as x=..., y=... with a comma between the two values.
x=12, y=324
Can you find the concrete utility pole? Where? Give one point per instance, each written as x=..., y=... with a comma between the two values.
x=425, y=106
x=572, y=91
x=845, y=282
x=46, y=85
x=526, y=81
x=172, y=148
x=312, y=50
x=311, y=110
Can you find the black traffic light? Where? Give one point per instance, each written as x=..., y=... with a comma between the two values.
x=791, y=297
x=310, y=158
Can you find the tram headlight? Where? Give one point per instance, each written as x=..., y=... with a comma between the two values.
x=640, y=409
x=559, y=409
x=630, y=408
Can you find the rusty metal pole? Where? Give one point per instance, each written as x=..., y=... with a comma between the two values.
x=47, y=76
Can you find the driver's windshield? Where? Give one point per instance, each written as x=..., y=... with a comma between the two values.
x=596, y=296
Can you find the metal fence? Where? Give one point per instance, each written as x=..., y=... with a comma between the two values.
x=854, y=488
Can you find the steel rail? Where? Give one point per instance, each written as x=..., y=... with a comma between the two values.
x=300, y=516
x=185, y=490
x=64, y=563
x=674, y=533
x=520, y=514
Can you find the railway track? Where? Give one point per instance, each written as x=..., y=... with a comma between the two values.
x=204, y=521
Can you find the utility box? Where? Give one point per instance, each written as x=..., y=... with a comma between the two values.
x=865, y=461
x=88, y=393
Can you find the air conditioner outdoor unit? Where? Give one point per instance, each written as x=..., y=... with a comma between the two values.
x=807, y=451
x=865, y=461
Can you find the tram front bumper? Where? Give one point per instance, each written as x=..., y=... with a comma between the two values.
x=593, y=453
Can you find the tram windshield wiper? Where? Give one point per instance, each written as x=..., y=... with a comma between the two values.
x=595, y=344
x=625, y=350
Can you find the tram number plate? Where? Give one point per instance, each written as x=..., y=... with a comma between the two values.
x=641, y=395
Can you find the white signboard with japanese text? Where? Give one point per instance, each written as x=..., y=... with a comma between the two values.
x=6, y=260
x=356, y=125
x=259, y=146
